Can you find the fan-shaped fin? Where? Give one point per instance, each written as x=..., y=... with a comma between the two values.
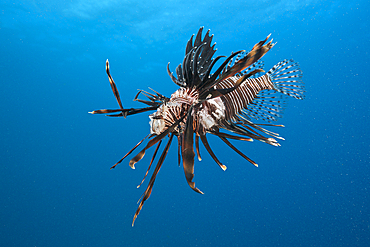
x=129, y=152
x=197, y=147
x=238, y=151
x=286, y=76
x=113, y=85
x=151, y=162
x=188, y=151
x=148, y=190
x=206, y=145
x=198, y=58
x=173, y=78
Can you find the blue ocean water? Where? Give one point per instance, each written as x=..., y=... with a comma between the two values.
x=56, y=185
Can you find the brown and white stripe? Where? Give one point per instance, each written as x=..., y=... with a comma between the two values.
x=239, y=99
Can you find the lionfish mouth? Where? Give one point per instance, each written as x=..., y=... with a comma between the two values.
x=209, y=102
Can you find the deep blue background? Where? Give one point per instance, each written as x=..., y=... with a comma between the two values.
x=56, y=186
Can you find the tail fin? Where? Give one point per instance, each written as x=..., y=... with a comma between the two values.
x=287, y=78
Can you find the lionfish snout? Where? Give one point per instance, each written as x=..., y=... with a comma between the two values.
x=157, y=123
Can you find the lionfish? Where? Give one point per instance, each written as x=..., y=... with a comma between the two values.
x=209, y=102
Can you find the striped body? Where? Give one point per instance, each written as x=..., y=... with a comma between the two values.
x=244, y=95
x=210, y=112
